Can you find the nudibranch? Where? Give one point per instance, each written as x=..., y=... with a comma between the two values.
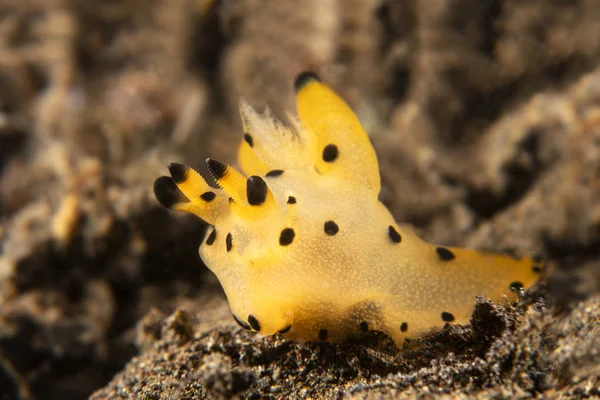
x=303, y=247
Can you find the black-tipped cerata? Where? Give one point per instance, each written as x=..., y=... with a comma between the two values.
x=216, y=168
x=167, y=193
x=179, y=172
x=253, y=322
x=256, y=190
x=303, y=78
x=444, y=254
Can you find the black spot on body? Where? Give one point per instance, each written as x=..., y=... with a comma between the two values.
x=330, y=153
x=249, y=139
x=303, y=78
x=256, y=190
x=287, y=236
x=179, y=172
x=403, y=327
x=274, y=173
x=229, y=242
x=323, y=334
x=447, y=317
x=515, y=286
x=167, y=193
x=241, y=323
x=291, y=200
x=364, y=326
x=211, y=237
x=253, y=322
x=208, y=196
x=394, y=235
x=216, y=168
x=285, y=330
x=444, y=254
x=331, y=228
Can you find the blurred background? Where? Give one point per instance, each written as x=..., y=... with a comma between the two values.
x=484, y=113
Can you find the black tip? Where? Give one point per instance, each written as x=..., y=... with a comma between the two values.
x=256, y=190
x=216, y=168
x=303, y=78
x=179, y=172
x=167, y=193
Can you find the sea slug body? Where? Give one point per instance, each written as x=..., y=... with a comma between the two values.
x=303, y=247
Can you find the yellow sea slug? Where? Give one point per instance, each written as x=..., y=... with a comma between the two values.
x=303, y=247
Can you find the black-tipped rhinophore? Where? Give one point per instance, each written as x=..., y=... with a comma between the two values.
x=167, y=193
x=179, y=172
x=216, y=168
x=256, y=190
x=303, y=78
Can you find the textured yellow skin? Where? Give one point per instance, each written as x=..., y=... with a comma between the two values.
x=322, y=286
